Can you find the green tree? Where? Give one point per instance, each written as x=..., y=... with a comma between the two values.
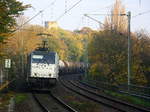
x=141, y=57
x=9, y=10
x=107, y=54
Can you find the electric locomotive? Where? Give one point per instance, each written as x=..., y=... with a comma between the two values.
x=43, y=69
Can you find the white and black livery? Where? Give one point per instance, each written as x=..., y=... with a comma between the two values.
x=43, y=69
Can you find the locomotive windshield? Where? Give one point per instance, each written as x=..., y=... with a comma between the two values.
x=44, y=58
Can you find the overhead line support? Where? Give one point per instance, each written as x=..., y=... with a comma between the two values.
x=129, y=49
x=129, y=40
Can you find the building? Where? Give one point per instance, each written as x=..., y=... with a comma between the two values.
x=51, y=24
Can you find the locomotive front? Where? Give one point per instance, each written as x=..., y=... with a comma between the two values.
x=43, y=69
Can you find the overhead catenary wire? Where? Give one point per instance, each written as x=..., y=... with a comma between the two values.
x=139, y=3
x=52, y=3
x=100, y=23
x=142, y=13
x=52, y=8
x=106, y=14
x=68, y=10
x=19, y=27
x=139, y=14
x=28, y=21
x=66, y=5
x=93, y=19
x=108, y=6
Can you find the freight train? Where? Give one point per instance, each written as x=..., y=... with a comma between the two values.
x=44, y=68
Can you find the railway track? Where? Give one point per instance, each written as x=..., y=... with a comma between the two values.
x=43, y=107
x=112, y=99
x=132, y=93
x=48, y=102
x=143, y=96
x=107, y=101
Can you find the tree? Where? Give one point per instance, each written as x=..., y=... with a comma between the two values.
x=108, y=58
x=9, y=10
x=107, y=55
x=21, y=44
x=143, y=48
x=68, y=44
x=114, y=21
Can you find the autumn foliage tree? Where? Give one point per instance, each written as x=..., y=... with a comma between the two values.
x=141, y=56
x=108, y=58
x=21, y=44
x=115, y=21
x=108, y=55
x=9, y=10
x=67, y=44
x=108, y=52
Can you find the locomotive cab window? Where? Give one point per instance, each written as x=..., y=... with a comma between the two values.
x=37, y=57
x=46, y=58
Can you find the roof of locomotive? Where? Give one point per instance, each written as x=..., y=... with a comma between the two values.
x=43, y=52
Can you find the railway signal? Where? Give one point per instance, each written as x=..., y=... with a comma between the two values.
x=7, y=66
x=7, y=63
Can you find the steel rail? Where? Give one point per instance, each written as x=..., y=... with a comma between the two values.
x=112, y=99
x=40, y=104
x=88, y=97
x=63, y=103
x=144, y=96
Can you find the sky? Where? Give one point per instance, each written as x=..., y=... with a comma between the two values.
x=75, y=18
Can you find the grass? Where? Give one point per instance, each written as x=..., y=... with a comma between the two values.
x=20, y=98
x=4, y=99
x=82, y=106
x=85, y=106
x=130, y=99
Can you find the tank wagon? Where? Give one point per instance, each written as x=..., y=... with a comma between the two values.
x=66, y=67
x=43, y=69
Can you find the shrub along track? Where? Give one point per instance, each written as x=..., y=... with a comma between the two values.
x=50, y=103
x=107, y=101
